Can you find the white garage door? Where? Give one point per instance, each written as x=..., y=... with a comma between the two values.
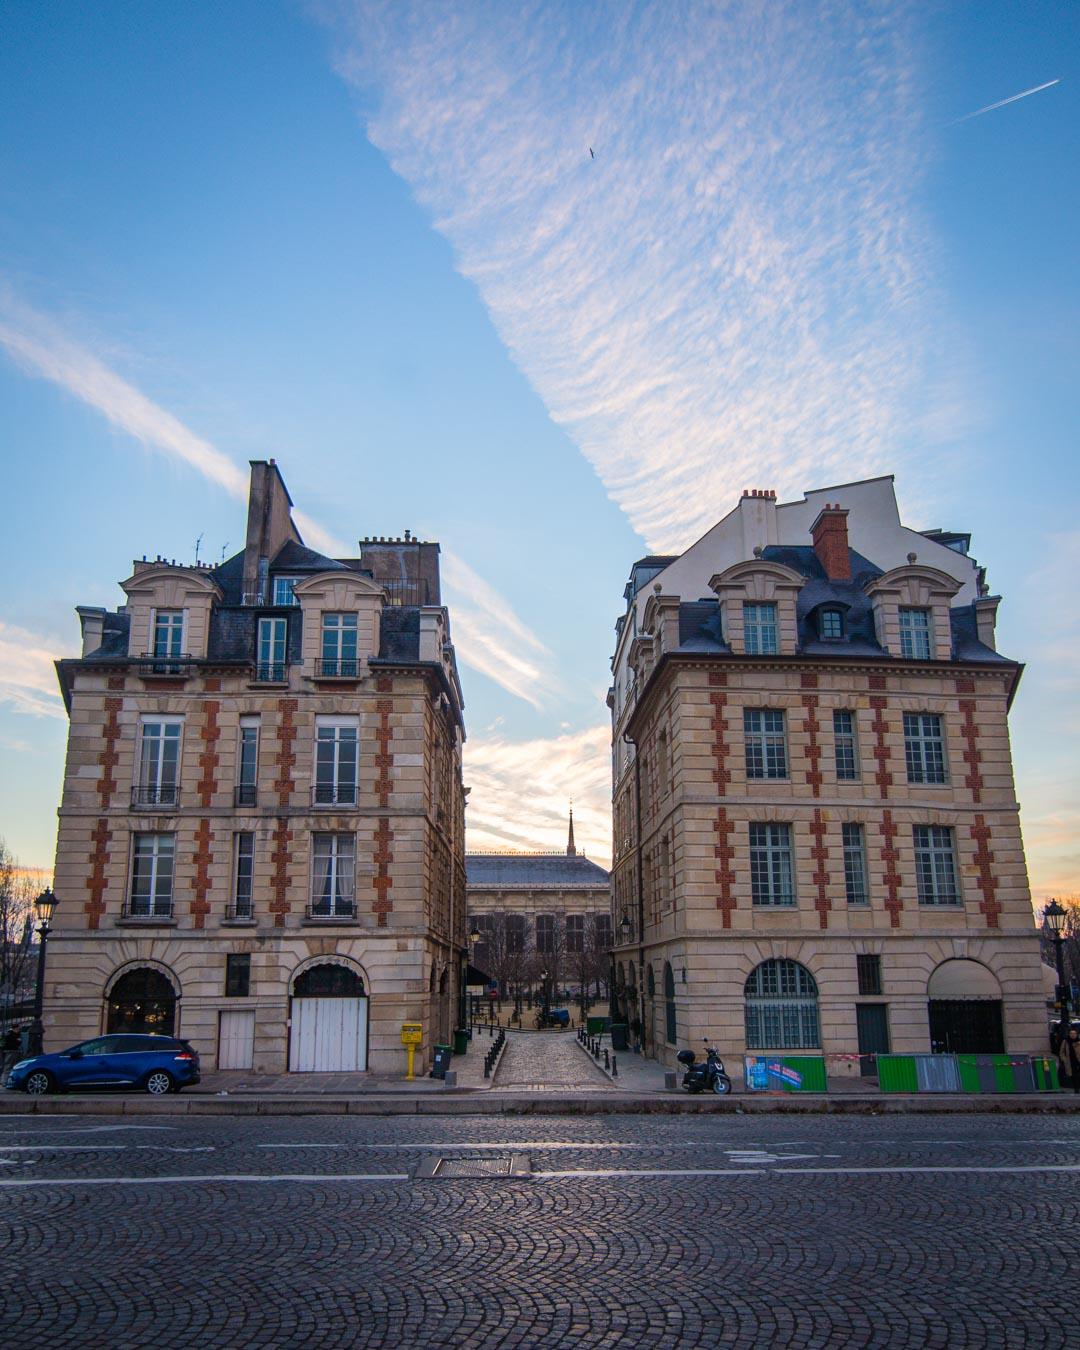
x=329, y=1035
x=236, y=1040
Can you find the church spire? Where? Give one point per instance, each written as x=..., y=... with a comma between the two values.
x=571, y=851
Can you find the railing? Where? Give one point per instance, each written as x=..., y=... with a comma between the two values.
x=334, y=794
x=347, y=668
x=246, y=794
x=151, y=664
x=147, y=797
x=136, y=908
x=270, y=672
x=334, y=911
x=407, y=592
x=239, y=911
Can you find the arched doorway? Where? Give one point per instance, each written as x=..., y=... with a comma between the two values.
x=329, y=1019
x=143, y=1001
x=781, y=1007
x=965, y=1009
x=670, y=1014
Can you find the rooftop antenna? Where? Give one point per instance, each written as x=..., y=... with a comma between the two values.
x=224, y=546
x=198, y=542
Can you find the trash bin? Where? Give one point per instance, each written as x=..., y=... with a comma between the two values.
x=440, y=1062
x=461, y=1040
x=618, y=1036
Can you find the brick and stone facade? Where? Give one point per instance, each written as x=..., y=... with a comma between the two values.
x=239, y=828
x=812, y=767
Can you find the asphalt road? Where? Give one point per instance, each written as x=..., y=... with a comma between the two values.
x=632, y=1231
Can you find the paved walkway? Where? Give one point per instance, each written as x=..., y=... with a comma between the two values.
x=548, y=1061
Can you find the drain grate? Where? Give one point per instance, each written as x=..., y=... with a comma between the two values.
x=434, y=1167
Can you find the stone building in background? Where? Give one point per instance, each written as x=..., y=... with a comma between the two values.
x=261, y=842
x=816, y=834
x=541, y=914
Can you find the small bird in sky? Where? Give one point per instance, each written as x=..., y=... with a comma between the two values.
x=591, y=155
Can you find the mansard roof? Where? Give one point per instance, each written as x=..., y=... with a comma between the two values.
x=531, y=871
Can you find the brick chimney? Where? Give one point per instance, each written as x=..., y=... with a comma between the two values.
x=829, y=533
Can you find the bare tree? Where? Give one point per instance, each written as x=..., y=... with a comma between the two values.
x=505, y=952
x=17, y=952
x=1070, y=932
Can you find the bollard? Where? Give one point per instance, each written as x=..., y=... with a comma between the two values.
x=607, y=1061
x=614, y=1068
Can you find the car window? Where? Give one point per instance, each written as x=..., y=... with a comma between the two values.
x=145, y=1045
x=104, y=1045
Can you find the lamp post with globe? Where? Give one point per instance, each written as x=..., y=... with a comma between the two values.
x=44, y=905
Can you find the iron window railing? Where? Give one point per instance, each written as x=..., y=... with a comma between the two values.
x=139, y=907
x=334, y=794
x=151, y=664
x=270, y=672
x=149, y=795
x=321, y=908
x=338, y=668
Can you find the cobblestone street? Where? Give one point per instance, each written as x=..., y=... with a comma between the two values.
x=552, y=1060
x=634, y=1230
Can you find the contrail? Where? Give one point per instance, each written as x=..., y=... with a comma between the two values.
x=991, y=106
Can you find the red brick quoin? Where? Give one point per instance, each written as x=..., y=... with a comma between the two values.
x=890, y=856
x=108, y=756
x=820, y=855
x=984, y=861
x=208, y=760
x=285, y=758
x=813, y=746
x=202, y=857
x=721, y=773
x=95, y=882
x=725, y=873
x=384, y=856
x=279, y=888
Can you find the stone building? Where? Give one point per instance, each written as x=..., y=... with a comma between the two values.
x=261, y=841
x=816, y=833
x=537, y=914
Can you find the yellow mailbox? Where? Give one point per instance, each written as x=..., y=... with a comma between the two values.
x=412, y=1033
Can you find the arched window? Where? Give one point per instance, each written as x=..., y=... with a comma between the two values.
x=669, y=1004
x=782, y=1007
x=328, y=981
x=142, y=1001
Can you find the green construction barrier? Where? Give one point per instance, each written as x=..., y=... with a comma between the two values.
x=896, y=1073
x=785, y=1073
x=1000, y=1073
x=1044, y=1070
x=596, y=1026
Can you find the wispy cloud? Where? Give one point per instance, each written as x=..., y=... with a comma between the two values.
x=27, y=676
x=731, y=293
x=490, y=636
x=1001, y=103
x=521, y=791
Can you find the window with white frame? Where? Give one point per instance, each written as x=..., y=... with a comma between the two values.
x=333, y=881
x=243, y=874
x=159, y=762
x=781, y=1007
x=760, y=632
x=337, y=748
x=152, y=857
x=771, y=872
x=845, y=745
x=855, y=864
x=924, y=748
x=830, y=625
x=339, y=633
x=272, y=637
x=247, y=763
x=766, y=748
x=914, y=633
x=168, y=633
x=935, y=865
x=283, y=591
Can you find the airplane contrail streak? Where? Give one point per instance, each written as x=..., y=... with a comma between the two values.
x=1001, y=104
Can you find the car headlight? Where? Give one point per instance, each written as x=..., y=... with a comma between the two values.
x=21, y=1064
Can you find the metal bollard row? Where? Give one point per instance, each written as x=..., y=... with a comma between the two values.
x=493, y=1054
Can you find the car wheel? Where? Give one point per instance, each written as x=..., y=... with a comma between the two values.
x=159, y=1083
x=39, y=1082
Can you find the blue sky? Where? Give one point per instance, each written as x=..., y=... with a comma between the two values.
x=370, y=241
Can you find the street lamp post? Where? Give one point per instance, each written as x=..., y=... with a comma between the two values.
x=1054, y=917
x=44, y=905
x=544, y=998
x=474, y=938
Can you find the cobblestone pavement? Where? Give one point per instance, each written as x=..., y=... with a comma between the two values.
x=644, y=1231
x=552, y=1060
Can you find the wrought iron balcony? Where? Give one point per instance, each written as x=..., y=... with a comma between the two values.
x=239, y=912
x=146, y=908
x=332, y=911
x=169, y=666
x=346, y=668
x=154, y=796
x=271, y=672
x=334, y=794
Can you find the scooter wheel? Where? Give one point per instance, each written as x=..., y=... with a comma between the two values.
x=721, y=1085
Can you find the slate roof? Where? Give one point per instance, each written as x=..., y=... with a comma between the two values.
x=529, y=871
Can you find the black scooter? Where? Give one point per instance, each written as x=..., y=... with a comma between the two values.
x=708, y=1076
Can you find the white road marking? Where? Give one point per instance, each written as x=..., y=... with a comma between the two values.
x=982, y=1171
x=239, y=1177
x=522, y=1144
x=169, y=1148
x=64, y=1148
x=652, y=1172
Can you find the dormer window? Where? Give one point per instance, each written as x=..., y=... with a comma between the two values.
x=169, y=632
x=831, y=625
x=283, y=590
x=914, y=633
x=760, y=629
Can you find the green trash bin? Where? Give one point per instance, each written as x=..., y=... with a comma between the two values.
x=440, y=1061
x=461, y=1040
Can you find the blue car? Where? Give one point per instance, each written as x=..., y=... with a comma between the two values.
x=157, y=1064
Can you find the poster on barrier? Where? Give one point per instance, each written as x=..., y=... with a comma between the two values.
x=765, y=1075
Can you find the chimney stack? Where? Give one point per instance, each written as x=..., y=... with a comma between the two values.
x=829, y=533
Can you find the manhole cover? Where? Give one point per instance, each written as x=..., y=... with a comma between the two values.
x=463, y=1166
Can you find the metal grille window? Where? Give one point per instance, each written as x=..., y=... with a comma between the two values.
x=760, y=633
x=771, y=875
x=545, y=934
x=575, y=934
x=152, y=875
x=846, y=746
x=283, y=591
x=869, y=971
x=337, y=750
x=781, y=1007
x=335, y=864
x=935, y=865
x=766, y=749
x=339, y=635
x=159, y=762
x=244, y=876
x=831, y=625
x=924, y=748
x=237, y=974
x=270, y=663
x=855, y=865
x=914, y=634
